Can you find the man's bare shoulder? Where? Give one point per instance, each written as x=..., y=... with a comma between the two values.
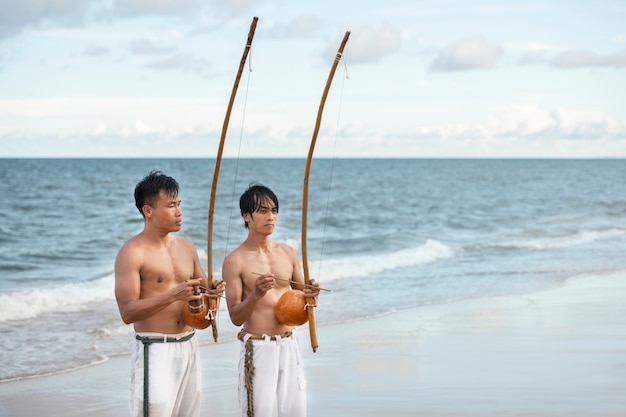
x=188, y=243
x=290, y=250
x=134, y=243
x=132, y=251
x=235, y=256
x=232, y=265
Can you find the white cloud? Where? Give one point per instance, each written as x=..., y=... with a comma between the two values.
x=99, y=130
x=15, y=15
x=234, y=7
x=355, y=128
x=95, y=50
x=558, y=57
x=76, y=112
x=518, y=119
x=154, y=7
x=185, y=62
x=148, y=47
x=467, y=54
x=578, y=124
x=162, y=127
x=304, y=25
x=367, y=44
x=587, y=58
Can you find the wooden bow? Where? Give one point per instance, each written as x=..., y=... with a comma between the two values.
x=216, y=173
x=305, y=190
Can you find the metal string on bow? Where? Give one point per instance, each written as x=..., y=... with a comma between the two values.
x=218, y=161
x=305, y=190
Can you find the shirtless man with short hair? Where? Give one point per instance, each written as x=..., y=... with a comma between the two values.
x=257, y=274
x=155, y=274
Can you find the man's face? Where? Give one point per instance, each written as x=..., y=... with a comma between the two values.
x=263, y=220
x=166, y=212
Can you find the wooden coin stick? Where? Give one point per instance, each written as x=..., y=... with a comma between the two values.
x=294, y=282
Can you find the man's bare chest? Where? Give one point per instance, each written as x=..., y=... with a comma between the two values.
x=167, y=267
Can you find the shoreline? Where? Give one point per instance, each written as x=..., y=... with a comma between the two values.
x=556, y=352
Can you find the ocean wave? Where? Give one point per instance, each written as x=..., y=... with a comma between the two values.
x=66, y=298
x=16, y=267
x=115, y=330
x=575, y=239
x=360, y=266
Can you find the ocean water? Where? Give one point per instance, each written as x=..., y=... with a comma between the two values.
x=382, y=235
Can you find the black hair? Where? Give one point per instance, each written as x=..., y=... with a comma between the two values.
x=253, y=198
x=147, y=190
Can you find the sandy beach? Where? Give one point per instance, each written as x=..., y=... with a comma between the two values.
x=560, y=352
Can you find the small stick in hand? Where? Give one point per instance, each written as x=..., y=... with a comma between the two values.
x=294, y=282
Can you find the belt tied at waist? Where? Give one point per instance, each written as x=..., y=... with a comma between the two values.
x=147, y=341
x=242, y=336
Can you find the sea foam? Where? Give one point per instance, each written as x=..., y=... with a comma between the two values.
x=65, y=298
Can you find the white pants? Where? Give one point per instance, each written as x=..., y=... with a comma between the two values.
x=174, y=381
x=278, y=385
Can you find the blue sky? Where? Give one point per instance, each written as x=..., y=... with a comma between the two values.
x=422, y=79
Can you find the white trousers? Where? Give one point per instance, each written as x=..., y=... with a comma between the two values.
x=278, y=385
x=174, y=381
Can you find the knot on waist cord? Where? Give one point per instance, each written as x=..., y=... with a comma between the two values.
x=147, y=340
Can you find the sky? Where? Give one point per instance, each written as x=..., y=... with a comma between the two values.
x=418, y=79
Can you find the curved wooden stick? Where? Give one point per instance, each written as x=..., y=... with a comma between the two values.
x=305, y=190
x=216, y=173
